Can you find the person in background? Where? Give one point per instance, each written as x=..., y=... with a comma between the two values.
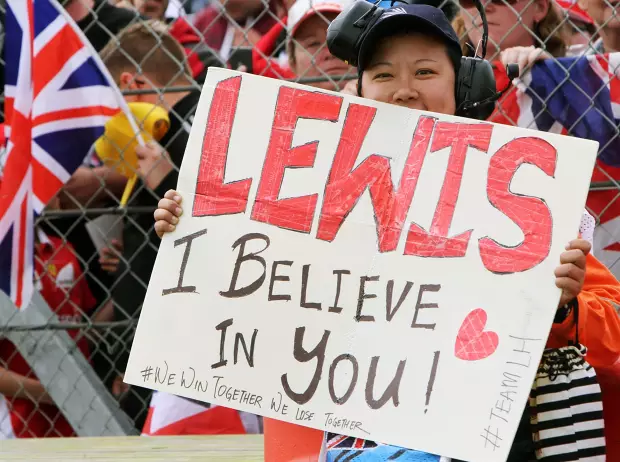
x=306, y=48
x=99, y=19
x=580, y=30
x=26, y=409
x=162, y=10
x=514, y=26
x=512, y=23
x=269, y=57
x=200, y=56
x=161, y=61
x=605, y=17
x=226, y=24
x=158, y=169
x=152, y=9
x=92, y=184
x=411, y=59
x=221, y=27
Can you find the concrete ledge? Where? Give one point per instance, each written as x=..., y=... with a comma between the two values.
x=238, y=448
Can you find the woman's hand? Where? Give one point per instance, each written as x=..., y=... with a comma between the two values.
x=168, y=213
x=154, y=164
x=525, y=57
x=571, y=273
x=109, y=257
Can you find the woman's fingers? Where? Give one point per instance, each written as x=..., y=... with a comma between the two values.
x=165, y=215
x=168, y=213
x=523, y=60
x=569, y=286
x=580, y=244
x=173, y=195
x=575, y=256
x=170, y=206
x=569, y=270
x=163, y=227
x=524, y=57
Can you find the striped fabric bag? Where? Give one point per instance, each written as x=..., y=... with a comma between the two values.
x=566, y=407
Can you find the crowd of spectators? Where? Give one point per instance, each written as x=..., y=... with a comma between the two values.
x=158, y=51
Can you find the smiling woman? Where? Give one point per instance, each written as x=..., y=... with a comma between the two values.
x=411, y=70
x=513, y=23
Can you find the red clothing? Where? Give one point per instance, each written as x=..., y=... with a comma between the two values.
x=187, y=36
x=64, y=288
x=212, y=23
x=199, y=55
x=174, y=415
x=263, y=62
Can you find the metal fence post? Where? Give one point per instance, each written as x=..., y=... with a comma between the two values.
x=64, y=372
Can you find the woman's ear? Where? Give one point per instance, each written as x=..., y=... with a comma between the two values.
x=541, y=10
x=127, y=81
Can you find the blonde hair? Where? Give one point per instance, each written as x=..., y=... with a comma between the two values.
x=551, y=32
x=146, y=47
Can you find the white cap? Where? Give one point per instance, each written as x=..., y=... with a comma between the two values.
x=304, y=9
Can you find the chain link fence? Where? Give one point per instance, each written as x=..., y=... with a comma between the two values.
x=62, y=359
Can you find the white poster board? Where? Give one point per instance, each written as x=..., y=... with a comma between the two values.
x=361, y=268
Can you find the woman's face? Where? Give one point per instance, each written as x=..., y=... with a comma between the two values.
x=511, y=22
x=311, y=56
x=413, y=71
x=603, y=12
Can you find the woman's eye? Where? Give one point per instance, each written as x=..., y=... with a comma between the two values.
x=424, y=72
x=382, y=75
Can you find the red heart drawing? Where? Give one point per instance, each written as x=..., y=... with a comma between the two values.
x=472, y=342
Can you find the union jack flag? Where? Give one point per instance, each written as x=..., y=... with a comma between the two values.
x=339, y=448
x=58, y=96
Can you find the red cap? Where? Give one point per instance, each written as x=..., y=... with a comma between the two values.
x=574, y=12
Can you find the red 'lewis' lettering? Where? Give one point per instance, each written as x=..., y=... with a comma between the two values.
x=531, y=214
x=345, y=184
x=213, y=197
x=436, y=243
x=293, y=213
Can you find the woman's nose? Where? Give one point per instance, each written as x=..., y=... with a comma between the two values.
x=323, y=54
x=405, y=94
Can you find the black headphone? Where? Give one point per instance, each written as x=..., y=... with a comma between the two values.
x=475, y=90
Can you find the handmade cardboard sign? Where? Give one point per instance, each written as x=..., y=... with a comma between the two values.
x=361, y=268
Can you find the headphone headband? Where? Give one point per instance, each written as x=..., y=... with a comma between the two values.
x=475, y=91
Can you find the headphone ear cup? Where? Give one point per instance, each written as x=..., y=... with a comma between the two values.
x=475, y=84
x=346, y=31
x=463, y=81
